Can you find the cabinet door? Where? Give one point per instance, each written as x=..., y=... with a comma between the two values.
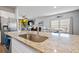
x=18, y=47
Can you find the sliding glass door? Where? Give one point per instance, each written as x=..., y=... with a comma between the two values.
x=61, y=25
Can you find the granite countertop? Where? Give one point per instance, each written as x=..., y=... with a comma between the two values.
x=56, y=42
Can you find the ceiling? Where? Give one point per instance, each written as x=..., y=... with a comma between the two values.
x=35, y=11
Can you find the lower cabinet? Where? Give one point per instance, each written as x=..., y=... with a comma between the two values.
x=18, y=47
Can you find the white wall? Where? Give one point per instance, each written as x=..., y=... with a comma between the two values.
x=74, y=15
x=76, y=24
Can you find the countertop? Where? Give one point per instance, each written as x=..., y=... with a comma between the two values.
x=56, y=42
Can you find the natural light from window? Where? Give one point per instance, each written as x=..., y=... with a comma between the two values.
x=62, y=25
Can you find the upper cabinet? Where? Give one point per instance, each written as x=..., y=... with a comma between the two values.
x=6, y=14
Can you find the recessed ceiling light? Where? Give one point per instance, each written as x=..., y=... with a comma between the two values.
x=55, y=7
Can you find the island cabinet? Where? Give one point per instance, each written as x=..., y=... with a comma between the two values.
x=19, y=47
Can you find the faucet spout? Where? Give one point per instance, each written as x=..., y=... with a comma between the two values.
x=38, y=30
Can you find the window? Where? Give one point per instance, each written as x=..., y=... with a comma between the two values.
x=54, y=24
x=61, y=25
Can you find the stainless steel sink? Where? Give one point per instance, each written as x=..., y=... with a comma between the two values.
x=34, y=37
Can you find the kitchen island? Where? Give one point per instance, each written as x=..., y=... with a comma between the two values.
x=56, y=42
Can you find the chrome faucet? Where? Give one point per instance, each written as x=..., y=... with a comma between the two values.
x=37, y=30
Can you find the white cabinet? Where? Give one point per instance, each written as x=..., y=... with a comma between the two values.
x=19, y=47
